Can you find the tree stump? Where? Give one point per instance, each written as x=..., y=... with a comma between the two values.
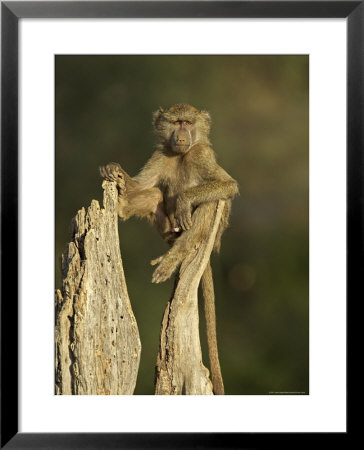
x=179, y=367
x=96, y=334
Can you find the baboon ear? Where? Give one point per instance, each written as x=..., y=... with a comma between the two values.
x=157, y=115
x=206, y=116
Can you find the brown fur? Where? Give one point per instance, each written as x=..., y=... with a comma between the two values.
x=178, y=189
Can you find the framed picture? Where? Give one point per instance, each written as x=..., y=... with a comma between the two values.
x=282, y=100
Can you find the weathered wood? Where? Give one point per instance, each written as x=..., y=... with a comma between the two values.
x=96, y=335
x=179, y=367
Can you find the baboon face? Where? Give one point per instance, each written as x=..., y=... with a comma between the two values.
x=183, y=136
x=181, y=126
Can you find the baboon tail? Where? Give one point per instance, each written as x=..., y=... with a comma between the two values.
x=210, y=316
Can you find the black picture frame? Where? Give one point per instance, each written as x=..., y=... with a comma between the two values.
x=11, y=12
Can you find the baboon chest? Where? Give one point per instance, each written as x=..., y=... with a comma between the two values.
x=180, y=177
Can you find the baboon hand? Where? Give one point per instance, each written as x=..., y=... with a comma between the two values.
x=183, y=213
x=112, y=172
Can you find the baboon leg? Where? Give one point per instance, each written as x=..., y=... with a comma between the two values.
x=147, y=203
x=190, y=238
x=141, y=203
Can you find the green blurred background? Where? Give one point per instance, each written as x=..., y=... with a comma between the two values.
x=260, y=109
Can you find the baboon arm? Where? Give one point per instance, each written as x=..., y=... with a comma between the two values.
x=211, y=191
x=216, y=183
x=149, y=176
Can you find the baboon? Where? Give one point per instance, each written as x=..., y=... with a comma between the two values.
x=177, y=190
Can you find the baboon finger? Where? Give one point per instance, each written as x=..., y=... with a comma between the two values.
x=102, y=171
x=189, y=222
x=105, y=174
x=156, y=278
x=186, y=223
x=115, y=172
x=115, y=166
x=156, y=261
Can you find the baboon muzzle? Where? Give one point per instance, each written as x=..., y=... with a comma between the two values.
x=181, y=139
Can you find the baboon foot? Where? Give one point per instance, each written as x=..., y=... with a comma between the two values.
x=165, y=269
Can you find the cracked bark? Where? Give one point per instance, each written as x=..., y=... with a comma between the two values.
x=96, y=335
x=179, y=368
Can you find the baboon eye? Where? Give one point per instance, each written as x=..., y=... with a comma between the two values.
x=176, y=122
x=187, y=122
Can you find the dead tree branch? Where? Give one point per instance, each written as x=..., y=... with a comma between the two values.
x=179, y=365
x=96, y=335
